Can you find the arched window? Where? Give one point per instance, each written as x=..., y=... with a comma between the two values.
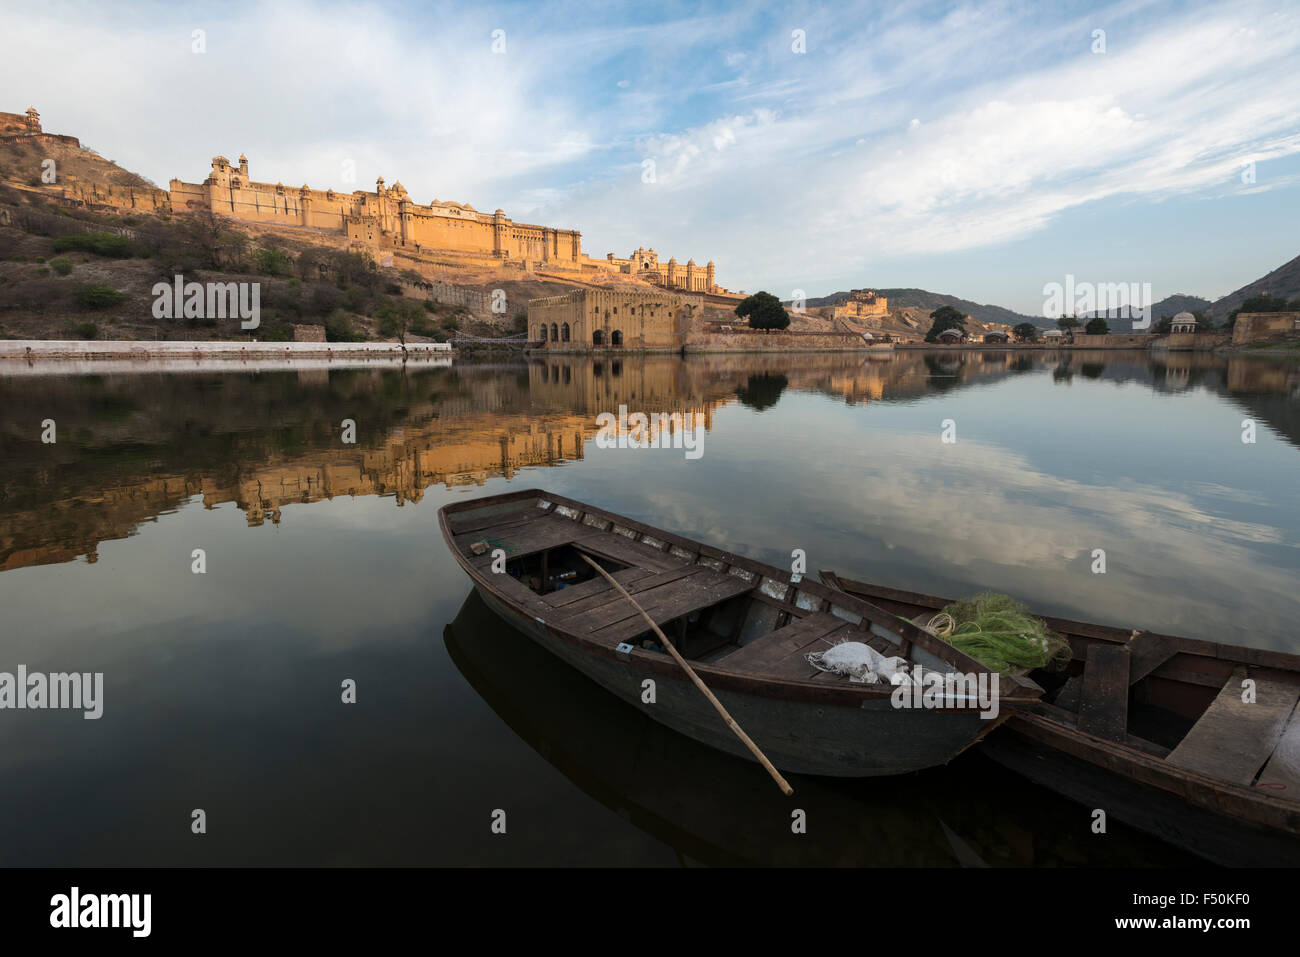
x=616, y=338
x=543, y=332
x=564, y=332
x=555, y=333
x=598, y=337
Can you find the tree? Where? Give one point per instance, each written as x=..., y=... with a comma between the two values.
x=397, y=317
x=270, y=261
x=339, y=328
x=1066, y=323
x=945, y=317
x=764, y=311
x=1097, y=327
x=1025, y=332
x=99, y=296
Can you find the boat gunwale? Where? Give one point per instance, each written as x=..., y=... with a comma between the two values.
x=1013, y=693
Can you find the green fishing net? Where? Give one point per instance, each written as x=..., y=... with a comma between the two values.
x=1000, y=633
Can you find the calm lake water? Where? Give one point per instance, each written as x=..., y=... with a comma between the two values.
x=324, y=563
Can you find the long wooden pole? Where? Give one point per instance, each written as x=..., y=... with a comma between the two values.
x=731, y=722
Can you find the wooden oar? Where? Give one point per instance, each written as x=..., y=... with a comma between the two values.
x=731, y=722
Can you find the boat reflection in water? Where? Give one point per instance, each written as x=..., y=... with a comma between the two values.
x=719, y=810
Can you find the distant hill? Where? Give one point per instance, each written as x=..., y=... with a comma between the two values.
x=1283, y=282
x=930, y=301
x=1168, y=306
x=1173, y=305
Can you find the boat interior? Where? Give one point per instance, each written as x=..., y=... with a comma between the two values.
x=1179, y=700
x=716, y=608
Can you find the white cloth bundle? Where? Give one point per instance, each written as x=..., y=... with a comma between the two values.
x=862, y=663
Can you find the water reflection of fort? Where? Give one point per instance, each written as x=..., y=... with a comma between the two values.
x=272, y=440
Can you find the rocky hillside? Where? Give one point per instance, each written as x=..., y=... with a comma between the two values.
x=1282, y=283
x=926, y=302
x=21, y=160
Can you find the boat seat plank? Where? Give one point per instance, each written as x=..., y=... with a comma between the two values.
x=795, y=664
x=1281, y=775
x=1147, y=652
x=608, y=612
x=474, y=522
x=564, y=598
x=1234, y=739
x=1103, y=706
x=1067, y=698
x=644, y=581
x=521, y=594
x=771, y=648
x=625, y=550
x=665, y=603
x=517, y=541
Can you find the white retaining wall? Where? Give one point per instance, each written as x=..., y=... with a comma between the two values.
x=123, y=349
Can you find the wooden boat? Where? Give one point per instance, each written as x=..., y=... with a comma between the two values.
x=1153, y=730
x=744, y=626
x=714, y=809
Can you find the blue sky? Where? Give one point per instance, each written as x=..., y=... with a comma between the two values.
x=981, y=150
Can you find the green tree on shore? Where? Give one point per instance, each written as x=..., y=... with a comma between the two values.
x=397, y=317
x=945, y=317
x=1025, y=332
x=764, y=311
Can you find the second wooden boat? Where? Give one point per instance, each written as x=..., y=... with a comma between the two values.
x=744, y=626
x=1153, y=730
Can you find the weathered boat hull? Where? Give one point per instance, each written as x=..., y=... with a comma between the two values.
x=1219, y=838
x=873, y=739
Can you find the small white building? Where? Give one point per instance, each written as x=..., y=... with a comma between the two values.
x=1183, y=322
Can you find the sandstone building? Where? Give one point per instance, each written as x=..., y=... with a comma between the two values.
x=386, y=217
x=599, y=319
x=862, y=304
x=29, y=122
x=645, y=264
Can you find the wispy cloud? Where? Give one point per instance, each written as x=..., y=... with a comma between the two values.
x=786, y=168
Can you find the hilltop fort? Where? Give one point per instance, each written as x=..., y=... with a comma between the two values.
x=377, y=222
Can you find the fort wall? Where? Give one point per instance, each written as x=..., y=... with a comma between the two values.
x=1265, y=326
